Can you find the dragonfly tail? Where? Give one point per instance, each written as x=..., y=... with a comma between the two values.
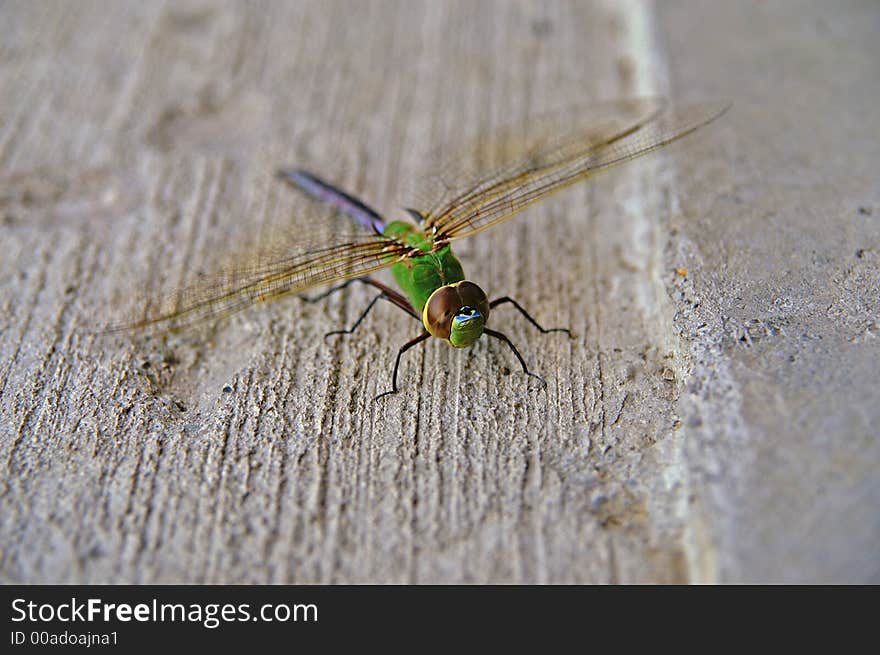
x=318, y=189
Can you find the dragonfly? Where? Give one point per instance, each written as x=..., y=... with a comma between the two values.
x=432, y=286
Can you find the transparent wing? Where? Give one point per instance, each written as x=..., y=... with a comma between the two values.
x=235, y=289
x=585, y=143
x=464, y=160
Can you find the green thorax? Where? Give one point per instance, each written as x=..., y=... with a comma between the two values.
x=420, y=276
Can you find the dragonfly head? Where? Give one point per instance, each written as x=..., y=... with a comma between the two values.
x=457, y=313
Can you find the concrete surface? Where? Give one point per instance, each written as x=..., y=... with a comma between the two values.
x=714, y=427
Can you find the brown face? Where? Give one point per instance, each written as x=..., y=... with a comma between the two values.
x=457, y=313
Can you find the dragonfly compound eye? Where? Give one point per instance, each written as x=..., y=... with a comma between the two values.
x=457, y=313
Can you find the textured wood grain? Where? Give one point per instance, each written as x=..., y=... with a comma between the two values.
x=137, y=147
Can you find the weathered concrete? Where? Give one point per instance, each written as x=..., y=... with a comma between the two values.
x=713, y=427
x=783, y=239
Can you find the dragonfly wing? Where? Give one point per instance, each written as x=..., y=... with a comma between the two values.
x=236, y=289
x=616, y=133
x=458, y=167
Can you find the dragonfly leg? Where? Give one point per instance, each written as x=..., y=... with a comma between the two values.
x=394, y=296
x=503, y=337
x=409, y=344
x=361, y=318
x=390, y=294
x=329, y=292
x=505, y=299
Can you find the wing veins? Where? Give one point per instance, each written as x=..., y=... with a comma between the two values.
x=246, y=288
x=505, y=175
x=492, y=200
